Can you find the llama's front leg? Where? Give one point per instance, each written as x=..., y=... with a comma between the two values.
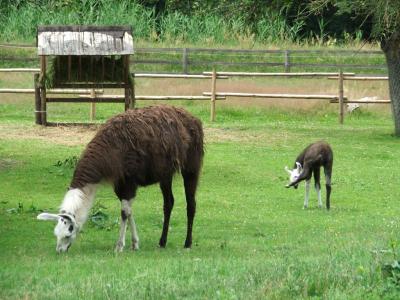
x=307, y=196
x=125, y=213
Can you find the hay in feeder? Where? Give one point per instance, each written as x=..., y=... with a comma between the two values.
x=84, y=69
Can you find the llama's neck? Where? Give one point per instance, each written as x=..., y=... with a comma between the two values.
x=78, y=202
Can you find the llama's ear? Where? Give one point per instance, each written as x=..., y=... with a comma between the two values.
x=69, y=217
x=299, y=167
x=288, y=170
x=48, y=217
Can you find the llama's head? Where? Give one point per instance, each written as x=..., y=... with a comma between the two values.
x=65, y=230
x=294, y=174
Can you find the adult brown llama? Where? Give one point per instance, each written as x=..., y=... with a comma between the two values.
x=137, y=148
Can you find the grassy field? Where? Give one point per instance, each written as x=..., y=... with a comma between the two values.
x=252, y=239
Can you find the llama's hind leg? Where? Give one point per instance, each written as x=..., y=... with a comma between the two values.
x=166, y=188
x=318, y=185
x=190, y=182
x=328, y=178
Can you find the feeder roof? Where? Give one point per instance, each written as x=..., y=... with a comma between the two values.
x=84, y=40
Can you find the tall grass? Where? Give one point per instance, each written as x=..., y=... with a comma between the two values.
x=19, y=23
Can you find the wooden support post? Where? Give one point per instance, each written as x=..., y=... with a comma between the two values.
x=69, y=67
x=213, y=94
x=103, y=68
x=185, y=61
x=112, y=66
x=38, y=115
x=128, y=84
x=133, y=100
x=43, y=106
x=341, y=98
x=287, y=61
x=80, y=68
x=92, y=105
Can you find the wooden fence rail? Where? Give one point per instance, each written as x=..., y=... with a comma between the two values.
x=97, y=96
x=287, y=59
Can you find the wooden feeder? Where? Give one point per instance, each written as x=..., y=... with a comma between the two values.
x=82, y=60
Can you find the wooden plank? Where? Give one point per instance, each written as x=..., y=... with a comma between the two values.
x=363, y=101
x=80, y=40
x=121, y=98
x=14, y=58
x=90, y=85
x=57, y=124
x=156, y=61
x=177, y=98
x=257, y=95
x=21, y=70
x=86, y=100
x=380, y=67
x=170, y=75
x=277, y=74
x=49, y=91
x=17, y=91
x=365, y=78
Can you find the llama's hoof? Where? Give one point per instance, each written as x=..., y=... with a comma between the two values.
x=135, y=247
x=305, y=207
x=319, y=205
x=119, y=247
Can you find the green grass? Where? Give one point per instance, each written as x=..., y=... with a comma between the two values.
x=252, y=239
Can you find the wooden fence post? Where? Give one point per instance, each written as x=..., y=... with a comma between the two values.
x=43, y=106
x=133, y=97
x=38, y=115
x=92, y=105
x=341, y=102
x=185, y=61
x=127, y=85
x=287, y=61
x=213, y=94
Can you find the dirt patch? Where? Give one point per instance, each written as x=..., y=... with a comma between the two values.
x=7, y=163
x=68, y=136
x=237, y=135
x=76, y=136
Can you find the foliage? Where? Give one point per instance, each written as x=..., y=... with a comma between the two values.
x=69, y=162
x=384, y=15
x=99, y=219
x=187, y=21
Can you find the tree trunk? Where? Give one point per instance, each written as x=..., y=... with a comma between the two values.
x=391, y=48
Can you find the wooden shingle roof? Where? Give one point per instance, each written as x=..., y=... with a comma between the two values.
x=84, y=40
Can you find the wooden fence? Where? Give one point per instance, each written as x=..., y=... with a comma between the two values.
x=96, y=96
x=190, y=60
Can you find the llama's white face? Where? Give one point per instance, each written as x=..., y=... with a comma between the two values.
x=65, y=230
x=294, y=174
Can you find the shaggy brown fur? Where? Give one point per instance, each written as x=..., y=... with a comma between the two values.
x=142, y=147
